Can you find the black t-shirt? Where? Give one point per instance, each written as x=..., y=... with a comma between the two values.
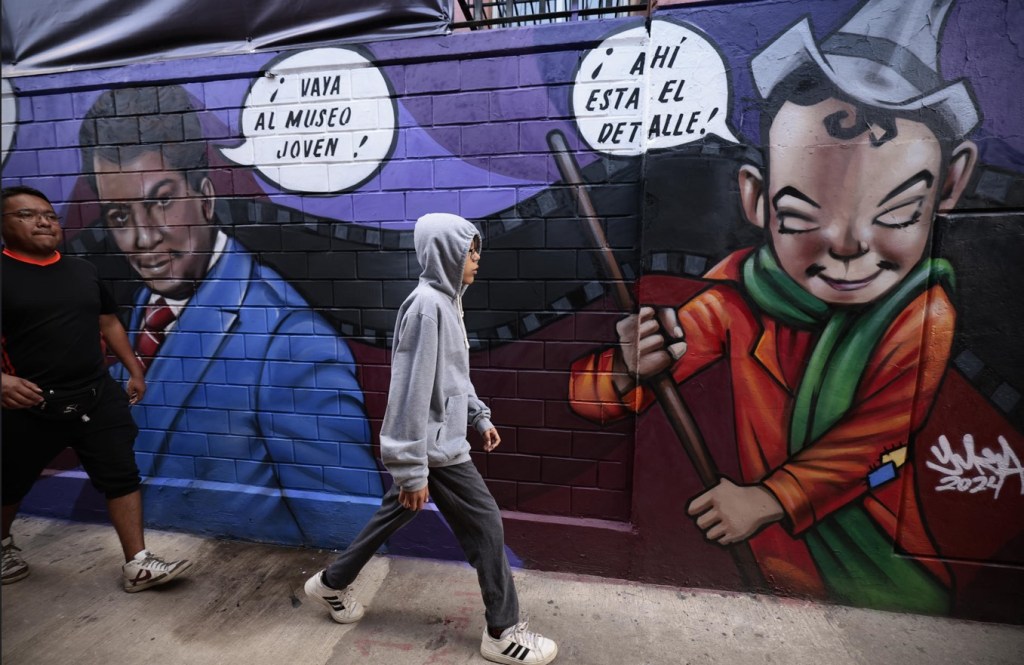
x=51, y=330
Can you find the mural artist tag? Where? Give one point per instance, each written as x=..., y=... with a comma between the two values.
x=975, y=471
x=637, y=92
x=321, y=121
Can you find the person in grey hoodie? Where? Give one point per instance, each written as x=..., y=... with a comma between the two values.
x=431, y=403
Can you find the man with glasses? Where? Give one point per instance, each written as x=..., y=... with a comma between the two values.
x=56, y=391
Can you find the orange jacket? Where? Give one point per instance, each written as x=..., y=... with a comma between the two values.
x=766, y=361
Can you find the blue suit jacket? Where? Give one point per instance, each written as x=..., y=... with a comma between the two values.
x=254, y=398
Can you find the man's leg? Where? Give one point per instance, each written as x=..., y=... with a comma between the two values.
x=473, y=515
x=142, y=569
x=14, y=567
x=329, y=587
x=388, y=519
x=29, y=444
x=105, y=447
x=126, y=516
x=9, y=513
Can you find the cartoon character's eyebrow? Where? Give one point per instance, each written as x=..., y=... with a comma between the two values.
x=924, y=176
x=794, y=192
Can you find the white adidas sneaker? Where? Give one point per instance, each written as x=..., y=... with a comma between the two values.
x=518, y=645
x=342, y=605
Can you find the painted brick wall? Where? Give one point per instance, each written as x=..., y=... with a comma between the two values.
x=263, y=420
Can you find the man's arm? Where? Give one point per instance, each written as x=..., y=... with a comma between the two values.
x=480, y=419
x=117, y=341
x=407, y=427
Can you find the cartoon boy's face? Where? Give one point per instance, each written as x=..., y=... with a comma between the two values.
x=848, y=218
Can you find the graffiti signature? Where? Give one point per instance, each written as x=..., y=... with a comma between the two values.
x=990, y=467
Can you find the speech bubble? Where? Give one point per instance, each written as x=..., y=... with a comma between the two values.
x=321, y=121
x=638, y=91
x=8, y=119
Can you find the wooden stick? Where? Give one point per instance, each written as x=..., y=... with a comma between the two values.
x=662, y=385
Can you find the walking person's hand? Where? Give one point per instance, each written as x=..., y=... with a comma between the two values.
x=136, y=388
x=491, y=439
x=414, y=500
x=19, y=393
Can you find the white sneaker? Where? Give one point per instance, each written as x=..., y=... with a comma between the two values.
x=147, y=569
x=518, y=645
x=14, y=567
x=342, y=605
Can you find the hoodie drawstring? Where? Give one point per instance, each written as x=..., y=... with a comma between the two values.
x=462, y=318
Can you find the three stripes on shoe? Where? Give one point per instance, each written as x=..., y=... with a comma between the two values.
x=517, y=651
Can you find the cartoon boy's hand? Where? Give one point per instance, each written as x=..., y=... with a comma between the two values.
x=729, y=513
x=650, y=341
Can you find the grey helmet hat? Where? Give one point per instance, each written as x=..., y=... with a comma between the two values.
x=885, y=56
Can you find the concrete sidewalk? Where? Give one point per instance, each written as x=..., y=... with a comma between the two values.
x=242, y=604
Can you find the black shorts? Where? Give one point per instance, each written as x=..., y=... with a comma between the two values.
x=104, y=444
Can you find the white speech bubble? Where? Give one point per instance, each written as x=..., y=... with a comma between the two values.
x=320, y=121
x=637, y=92
x=8, y=118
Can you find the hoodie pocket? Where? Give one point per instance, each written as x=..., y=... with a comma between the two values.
x=451, y=439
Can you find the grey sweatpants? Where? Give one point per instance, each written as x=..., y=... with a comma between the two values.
x=462, y=497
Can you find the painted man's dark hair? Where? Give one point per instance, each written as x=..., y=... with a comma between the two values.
x=18, y=190
x=126, y=123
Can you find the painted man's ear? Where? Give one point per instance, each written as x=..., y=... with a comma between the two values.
x=752, y=195
x=209, y=196
x=961, y=167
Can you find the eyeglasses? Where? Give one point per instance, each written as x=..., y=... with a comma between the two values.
x=26, y=215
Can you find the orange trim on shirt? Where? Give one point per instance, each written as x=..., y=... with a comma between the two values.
x=36, y=262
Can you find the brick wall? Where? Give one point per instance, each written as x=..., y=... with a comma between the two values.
x=248, y=435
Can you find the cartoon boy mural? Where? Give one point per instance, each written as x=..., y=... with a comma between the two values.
x=837, y=330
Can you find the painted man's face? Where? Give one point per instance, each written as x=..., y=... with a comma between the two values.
x=848, y=219
x=159, y=222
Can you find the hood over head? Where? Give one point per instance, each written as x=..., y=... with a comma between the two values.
x=442, y=243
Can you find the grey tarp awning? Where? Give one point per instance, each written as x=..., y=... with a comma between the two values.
x=46, y=36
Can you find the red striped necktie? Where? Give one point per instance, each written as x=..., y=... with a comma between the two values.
x=158, y=316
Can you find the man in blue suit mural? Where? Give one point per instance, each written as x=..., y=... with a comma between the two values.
x=254, y=426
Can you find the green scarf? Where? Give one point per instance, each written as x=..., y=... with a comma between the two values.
x=856, y=559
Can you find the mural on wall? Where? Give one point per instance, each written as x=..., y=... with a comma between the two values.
x=213, y=326
x=839, y=325
x=790, y=224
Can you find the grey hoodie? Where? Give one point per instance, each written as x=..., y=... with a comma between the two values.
x=432, y=400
